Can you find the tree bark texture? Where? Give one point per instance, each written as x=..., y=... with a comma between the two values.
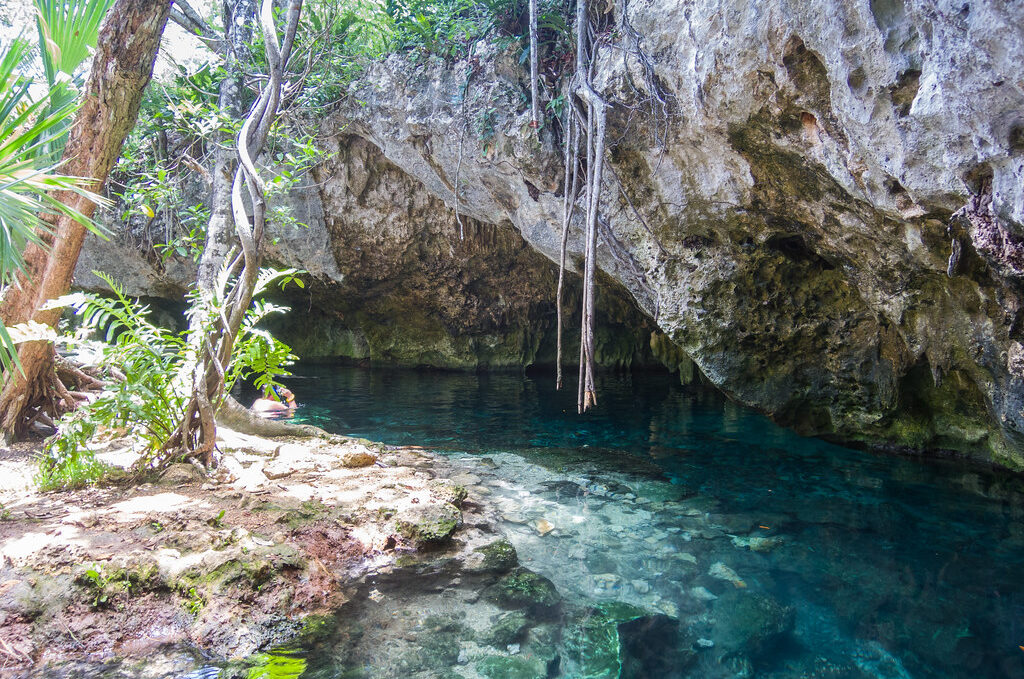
x=196, y=434
x=220, y=230
x=122, y=67
x=534, y=70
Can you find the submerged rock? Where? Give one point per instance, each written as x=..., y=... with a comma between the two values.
x=620, y=641
x=722, y=572
x=524, y=589
x=512, y=667
x=543, y=526
x=757, y=544
x=499, y=556
x=508, y=629
x=748, y=623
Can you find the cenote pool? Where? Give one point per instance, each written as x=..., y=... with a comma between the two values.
x=781, y=556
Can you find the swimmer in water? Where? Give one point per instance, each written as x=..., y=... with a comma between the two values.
x=283, y=402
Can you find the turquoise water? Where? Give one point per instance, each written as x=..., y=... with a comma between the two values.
x=886, y=566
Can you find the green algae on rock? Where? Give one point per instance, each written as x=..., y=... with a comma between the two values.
x=499, y=556
x=524, y=589
x=616, y=640
x=429, y=524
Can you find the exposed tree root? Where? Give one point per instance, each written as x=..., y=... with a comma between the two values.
x=588, y=117
x=62, y=386
x=236, y=416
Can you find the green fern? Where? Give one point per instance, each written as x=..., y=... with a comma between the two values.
x=155, y=362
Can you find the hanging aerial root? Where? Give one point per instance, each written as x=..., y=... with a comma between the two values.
x=572, y=149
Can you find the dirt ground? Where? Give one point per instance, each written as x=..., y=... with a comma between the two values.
x=228, y=565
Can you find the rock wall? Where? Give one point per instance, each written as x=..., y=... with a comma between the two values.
x=395, y=281
x=791, y=220
x=826, y=215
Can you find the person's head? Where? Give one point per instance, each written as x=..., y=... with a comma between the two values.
x=287, y=396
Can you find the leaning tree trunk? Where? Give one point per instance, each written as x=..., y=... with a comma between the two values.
x=121, y=69
x=225, y=307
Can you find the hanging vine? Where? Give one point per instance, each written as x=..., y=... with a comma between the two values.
x=535, y=119
x=587, y=119
x=593, y=115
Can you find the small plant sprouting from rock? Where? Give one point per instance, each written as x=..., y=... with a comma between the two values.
x=485, y=127
x=194, y=601
x=217, y=521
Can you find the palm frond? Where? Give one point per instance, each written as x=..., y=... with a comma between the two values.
x=68, y=31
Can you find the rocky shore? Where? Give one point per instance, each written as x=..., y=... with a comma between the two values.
x=340, y=557
x=226, y=567
x=389, y=560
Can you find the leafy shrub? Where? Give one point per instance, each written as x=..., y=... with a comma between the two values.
x=153, y=384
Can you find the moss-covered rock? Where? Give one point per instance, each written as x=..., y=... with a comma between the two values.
x=499, y=556
x=511, y=667
x=616, y=640
x=445, y=491
x=508, y=629
x=440, y=642
x=429, y=525
x=526, y=590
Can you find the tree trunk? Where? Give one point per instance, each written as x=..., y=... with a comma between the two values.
x=121, y=69
x=220, y=230
x=534, y=71
x=225, y=308
x=236, y=416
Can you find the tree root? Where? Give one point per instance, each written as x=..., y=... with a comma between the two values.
x=234, y=415
x=59, y=389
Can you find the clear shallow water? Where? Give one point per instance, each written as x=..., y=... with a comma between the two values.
x=665, y=496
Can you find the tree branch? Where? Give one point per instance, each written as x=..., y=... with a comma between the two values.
x=186, y=17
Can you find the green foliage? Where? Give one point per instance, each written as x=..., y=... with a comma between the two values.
x=68, y=29
x=102, y=586
x=449, y=27
x=485, y=130
x=341, y=35
x=294, y=158
x=194, y=601
x=150, y=401
x=556, y=105
x=217, y=521
x=28, y=126
x=155, y=181
x=68, y=33
x=257, y=354
x=96, y=582
x=159, y=180
x=151, y=398
x=69, y=463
